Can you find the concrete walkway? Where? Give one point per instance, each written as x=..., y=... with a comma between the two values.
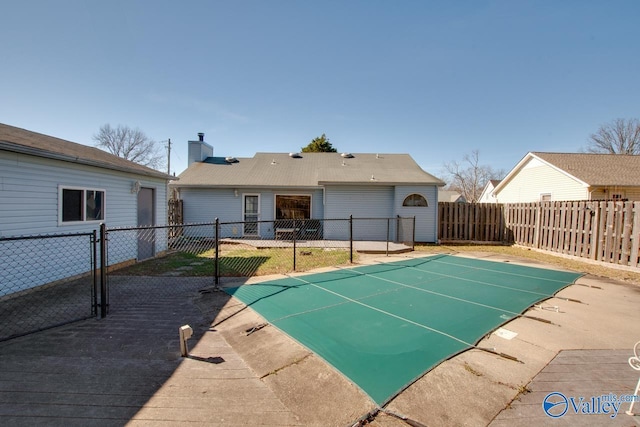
x=126, y=369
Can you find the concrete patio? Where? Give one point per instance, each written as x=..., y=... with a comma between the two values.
x=126, y=369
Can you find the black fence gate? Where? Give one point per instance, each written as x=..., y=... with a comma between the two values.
x=46, y=281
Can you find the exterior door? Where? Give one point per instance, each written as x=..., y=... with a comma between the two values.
x=251, y=208
x=146, y=217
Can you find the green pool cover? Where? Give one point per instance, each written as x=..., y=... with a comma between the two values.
x=383, y=326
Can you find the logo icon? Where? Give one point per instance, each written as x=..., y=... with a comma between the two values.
x=555, y=404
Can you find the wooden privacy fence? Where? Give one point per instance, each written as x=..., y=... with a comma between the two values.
x=604, y=231
x=176, y=217
x=481, y=222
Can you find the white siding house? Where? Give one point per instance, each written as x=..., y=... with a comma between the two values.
x=570, y=176
x=321, y=185
x=487, y=195
x=52, y=186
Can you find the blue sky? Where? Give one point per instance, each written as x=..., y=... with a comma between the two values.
x=435, y=79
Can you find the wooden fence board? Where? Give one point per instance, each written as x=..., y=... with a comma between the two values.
x=603, y=231
x=635, y=236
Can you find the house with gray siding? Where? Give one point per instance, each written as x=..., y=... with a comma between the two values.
x=570, y=176
x=52, y=186
x=323, y=186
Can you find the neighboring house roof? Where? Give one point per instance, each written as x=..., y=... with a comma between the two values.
x=592, y=170
x=26, y=142
x=488, y=189
x=306, y=170
x=450, y=196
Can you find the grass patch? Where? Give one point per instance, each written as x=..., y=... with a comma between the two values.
x=242, y=261
x=547, y=258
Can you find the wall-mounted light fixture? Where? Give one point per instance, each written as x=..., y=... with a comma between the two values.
x=135, y=187
x=235, y=193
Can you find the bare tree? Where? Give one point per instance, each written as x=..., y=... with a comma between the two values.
x=470, y=177
x=130, y=144
x=621, y=136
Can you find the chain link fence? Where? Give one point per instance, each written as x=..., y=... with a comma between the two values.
x=46, y=281
x=144, y=263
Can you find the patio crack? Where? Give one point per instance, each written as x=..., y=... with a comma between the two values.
x=293, y=362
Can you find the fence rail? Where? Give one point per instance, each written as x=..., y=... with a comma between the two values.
x=605, y=231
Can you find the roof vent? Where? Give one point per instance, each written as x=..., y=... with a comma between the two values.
x=295, y=155
x=347, y=155
x=231, y=159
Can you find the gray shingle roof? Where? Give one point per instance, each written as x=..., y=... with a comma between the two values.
x=310, y=170
x=597, y=169
x=26, y=142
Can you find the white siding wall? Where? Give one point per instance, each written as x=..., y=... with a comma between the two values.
x=537, y=178
x=204, y=205
x=29, y=195
x=426, y=218
x=361, y=202
x=29, y=189
x=198, y=151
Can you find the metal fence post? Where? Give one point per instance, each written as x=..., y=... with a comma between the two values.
x=103, y=270
x=294, y=244
x=413, y=237
x=351, y=239
x=216, y=263
x=388, y=236
x=94, y=263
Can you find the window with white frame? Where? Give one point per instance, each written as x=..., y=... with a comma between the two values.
x=415, y=200
x=80, y=205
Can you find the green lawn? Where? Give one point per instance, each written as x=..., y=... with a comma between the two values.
x=240, y=262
